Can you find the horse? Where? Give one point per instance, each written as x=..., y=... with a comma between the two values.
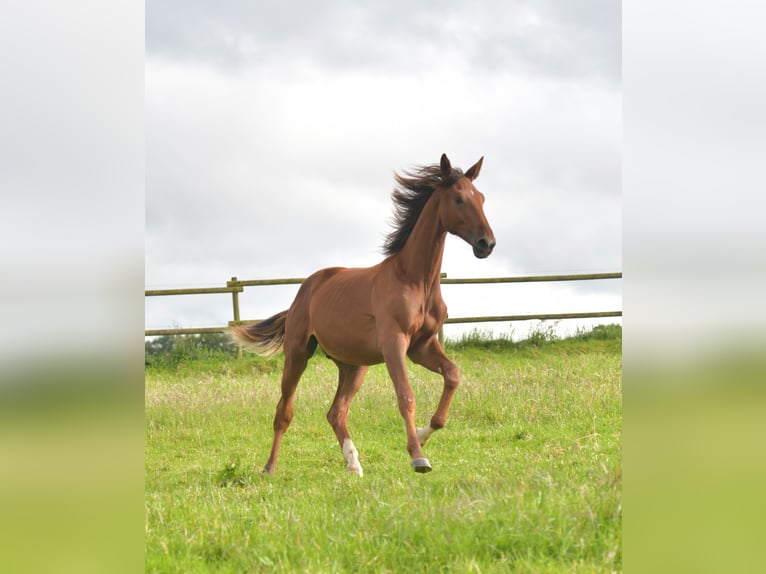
x=381, y=314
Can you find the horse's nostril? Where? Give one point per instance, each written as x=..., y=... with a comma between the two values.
x=483, y=245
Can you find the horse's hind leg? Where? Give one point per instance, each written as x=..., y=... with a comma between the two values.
x=350, y=379
x=432, y=357
x=296, y=359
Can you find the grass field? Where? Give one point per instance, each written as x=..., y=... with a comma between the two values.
x=527, y=473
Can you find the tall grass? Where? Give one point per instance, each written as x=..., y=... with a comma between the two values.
x=527, y=473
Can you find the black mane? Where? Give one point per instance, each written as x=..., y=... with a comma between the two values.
x=410, y=197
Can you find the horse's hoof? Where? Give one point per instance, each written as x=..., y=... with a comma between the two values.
x=421, y=465
x=355, y=470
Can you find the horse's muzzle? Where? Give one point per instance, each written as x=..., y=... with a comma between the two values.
x=483, y=247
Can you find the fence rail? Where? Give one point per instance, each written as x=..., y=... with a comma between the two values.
x=531, y=278
x=236, y=286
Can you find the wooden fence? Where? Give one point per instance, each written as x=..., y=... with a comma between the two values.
x=236, y=286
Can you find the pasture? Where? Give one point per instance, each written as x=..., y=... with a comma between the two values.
x=527, y=472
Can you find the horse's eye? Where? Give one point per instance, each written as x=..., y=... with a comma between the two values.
x=458, y=200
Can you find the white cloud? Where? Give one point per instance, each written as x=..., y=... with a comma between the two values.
x=270, y=150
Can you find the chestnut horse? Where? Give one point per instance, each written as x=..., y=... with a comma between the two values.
x=384, y=313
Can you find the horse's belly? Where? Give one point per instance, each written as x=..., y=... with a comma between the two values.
x=354, y=347
x=341, y=317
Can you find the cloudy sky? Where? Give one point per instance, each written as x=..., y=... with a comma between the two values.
x=273, y=130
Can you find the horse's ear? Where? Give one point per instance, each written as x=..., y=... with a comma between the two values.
x=473, y=171
x=445, y=166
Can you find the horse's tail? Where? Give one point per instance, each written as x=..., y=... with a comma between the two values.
x=265, y=338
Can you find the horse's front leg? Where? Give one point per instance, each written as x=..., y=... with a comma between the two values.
x=431, y=356
x=394, y=354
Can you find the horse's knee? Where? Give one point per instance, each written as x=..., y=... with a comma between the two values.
x=451, y=377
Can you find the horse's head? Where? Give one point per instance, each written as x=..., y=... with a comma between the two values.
x=461, y=208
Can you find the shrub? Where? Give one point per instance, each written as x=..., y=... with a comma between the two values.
x=170, y=350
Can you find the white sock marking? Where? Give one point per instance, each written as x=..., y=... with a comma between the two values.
x=352, y=457
x=424, y=434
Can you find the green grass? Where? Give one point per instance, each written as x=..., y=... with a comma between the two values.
x=527, y=473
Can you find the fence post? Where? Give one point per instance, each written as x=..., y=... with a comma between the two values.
x=235, y=304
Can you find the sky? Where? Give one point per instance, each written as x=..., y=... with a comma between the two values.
x=273, y=130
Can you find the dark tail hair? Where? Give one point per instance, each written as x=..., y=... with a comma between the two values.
x=265, y=338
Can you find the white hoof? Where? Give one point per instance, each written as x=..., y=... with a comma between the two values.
x=352, y=458
x=355, y=470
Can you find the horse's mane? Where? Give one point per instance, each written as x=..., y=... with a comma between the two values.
x=410, y=196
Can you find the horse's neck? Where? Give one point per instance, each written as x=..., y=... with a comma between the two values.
x=421, y=258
